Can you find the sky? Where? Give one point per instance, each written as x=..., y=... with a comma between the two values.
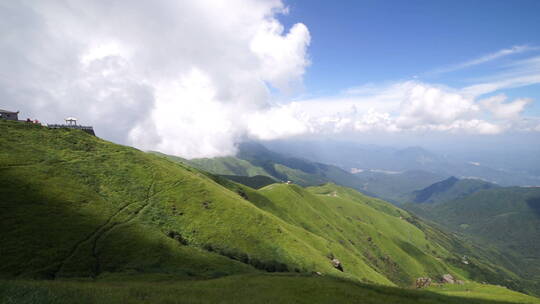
x=195, y=78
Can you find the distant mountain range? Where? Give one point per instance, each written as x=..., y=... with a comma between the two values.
x=395, y=187
x=507, y=217
x=255, y=159
x=449, y=189
x=361, y=157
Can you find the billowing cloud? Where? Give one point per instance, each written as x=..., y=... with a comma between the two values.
x=408, y=106
x=425, y=105
x=505, y=110
x=177, y=76
x=193, y=78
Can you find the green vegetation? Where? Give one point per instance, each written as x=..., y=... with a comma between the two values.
x=254, y=159
x=74, y=206
x=395, y=187
x=508, y=218
x=449, y=189
x=255, y=182
x=260, y=288
x=476, y=290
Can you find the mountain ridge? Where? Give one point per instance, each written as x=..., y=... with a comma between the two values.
x=449, y=189
x=75, y=206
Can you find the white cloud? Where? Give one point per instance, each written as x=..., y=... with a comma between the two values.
x=402, y=107
x=277, y=122
x=486, y=58
x=517, y=74
x=177, y=76
x=192, y=78
x=501, y=110
x=502, y=83
x=282, y=57
x=431, y=105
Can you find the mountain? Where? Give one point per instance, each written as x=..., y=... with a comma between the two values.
x=449, y=189
x=255, y=182
x=92, y=216
x=395, y=187
x=356, y=156
x=255, y=159
x=507, y=217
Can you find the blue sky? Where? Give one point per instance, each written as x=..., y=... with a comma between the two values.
x=359, y=42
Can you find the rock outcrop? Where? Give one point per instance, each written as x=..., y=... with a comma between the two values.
x=337, y=264
x=423, y=282
x=448, y=279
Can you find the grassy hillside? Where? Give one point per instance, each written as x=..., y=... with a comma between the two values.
x=254, y=159
x=260, y=288
x=255, y=182
x=508, y=217
x=395, y=187
x=449, y=189
x=75, y=206
x=220, y=165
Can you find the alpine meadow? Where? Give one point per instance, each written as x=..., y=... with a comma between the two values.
x=269, y=151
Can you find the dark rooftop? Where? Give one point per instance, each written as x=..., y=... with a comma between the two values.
x=6, y=111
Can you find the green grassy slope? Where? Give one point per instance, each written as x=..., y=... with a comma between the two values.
x=508, y=217
x=375, y=230
x=396, y=187
x=484, y=291
x=249, y=289
x=73, y=205
x=394, y=242
x=255, y=182
x=220, y=165
x=254, y=159
x=449, y=189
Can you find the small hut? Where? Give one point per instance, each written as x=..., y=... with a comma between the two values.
x=9, y=115
x=71, y=121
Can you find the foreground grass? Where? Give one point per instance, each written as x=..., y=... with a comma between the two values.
x=265, y=288
x=484, y=291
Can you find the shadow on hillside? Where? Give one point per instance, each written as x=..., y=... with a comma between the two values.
x=284, y=288
x=534, y=204
x=47, y=236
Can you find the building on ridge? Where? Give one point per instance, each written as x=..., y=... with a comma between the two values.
x=9, y=115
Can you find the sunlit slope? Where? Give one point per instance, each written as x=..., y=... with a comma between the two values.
x=447, y=190
x=225, y=166
x=385, y=236
x=483, y=291
x=508, y=218
x=254, y=159
x=74, y=205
